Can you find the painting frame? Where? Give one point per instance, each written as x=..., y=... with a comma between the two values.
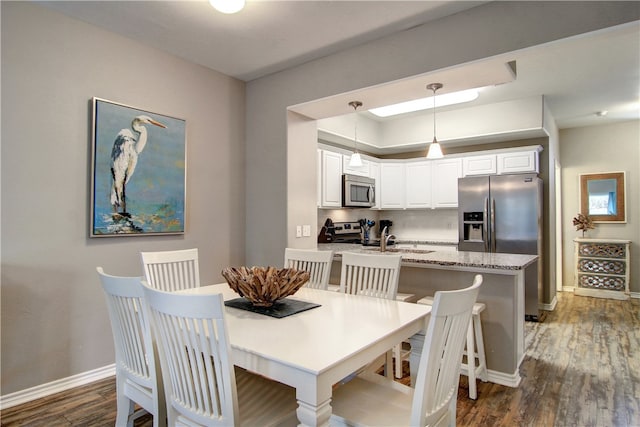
x=138, y=172
x=617, y=197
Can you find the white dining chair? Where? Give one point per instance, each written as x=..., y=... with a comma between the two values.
x=373, y=400
x=172, y=270
x=374, y=275
x=316, y=263
x=138, y=377
x=202, y=387
x=474, y=349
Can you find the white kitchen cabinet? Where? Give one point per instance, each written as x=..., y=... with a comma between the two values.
x=392, y=186
x=517, y=162
x=319, y=178
x=374, y=172
x=360, y=170
x=417, y=184
x=331, y=179
x=479, y=165
x=445, y=182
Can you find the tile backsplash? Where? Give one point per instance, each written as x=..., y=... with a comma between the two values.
x=427, y=224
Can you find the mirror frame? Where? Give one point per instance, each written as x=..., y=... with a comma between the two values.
x=620, y=196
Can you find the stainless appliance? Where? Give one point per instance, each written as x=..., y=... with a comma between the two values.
x=347, y=232
x=358, y=191
x=503, y=214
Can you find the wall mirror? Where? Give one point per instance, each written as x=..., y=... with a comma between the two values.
x=602, y=196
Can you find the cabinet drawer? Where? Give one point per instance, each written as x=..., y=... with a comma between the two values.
x=606, y=250
x=608, y=283
x=602, y=266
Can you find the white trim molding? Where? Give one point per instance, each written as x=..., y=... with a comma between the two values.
x=550, y=306
x=43, y=390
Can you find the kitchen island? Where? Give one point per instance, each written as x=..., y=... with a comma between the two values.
x=427, y=271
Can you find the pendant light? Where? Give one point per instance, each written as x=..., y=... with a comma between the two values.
x=435, y=151
x=356, y=160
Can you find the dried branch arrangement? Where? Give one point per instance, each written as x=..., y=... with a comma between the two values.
x=264, y=285
x=583, y=222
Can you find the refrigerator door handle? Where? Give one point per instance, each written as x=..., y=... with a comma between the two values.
x=485, y=230
x=493, y=225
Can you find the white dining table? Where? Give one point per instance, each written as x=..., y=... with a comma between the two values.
x=315, y=349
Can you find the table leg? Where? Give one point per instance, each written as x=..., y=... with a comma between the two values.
x=417, y=342
x=311, y=415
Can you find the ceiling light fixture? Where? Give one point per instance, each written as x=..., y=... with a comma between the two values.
x=355, y=161
x=426, y=103
x=227, y=6
x=435, y=151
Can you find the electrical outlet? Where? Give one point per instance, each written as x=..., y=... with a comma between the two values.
x=298, y=231
x=306, y=230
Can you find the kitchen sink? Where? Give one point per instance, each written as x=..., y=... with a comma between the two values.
x=402, y=250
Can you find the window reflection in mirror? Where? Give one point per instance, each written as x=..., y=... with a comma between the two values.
x=602, y=196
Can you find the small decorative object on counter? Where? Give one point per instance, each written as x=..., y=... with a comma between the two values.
x=583, y=222
x=263, y=286
x=366, y=225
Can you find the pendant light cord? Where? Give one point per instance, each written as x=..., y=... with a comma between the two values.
x=355, y=105
x=434, y=114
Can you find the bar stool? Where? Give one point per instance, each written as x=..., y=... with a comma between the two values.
x=475, y=347
x=399, y=353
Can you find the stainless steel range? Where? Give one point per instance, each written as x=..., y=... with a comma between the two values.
x=347, y=232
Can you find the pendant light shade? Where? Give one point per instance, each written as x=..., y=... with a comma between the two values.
x=356, y=160
x=435, y=150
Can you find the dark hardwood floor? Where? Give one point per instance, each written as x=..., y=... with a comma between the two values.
x=582, y=368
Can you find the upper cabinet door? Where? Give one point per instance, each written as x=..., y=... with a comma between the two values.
x=418, y=184
x=331, y=179
x=518, y=162
x=445, y=182
x=391, y=191
x=479, y=165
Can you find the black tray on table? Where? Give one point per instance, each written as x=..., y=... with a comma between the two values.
x=281, y=308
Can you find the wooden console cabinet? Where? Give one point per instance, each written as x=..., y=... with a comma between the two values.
x=602, y=268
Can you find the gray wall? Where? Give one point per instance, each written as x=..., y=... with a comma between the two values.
x=478, y=33
x=610, y=148
x=54, y=319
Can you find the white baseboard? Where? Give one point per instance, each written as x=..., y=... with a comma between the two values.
x=43, y=390
x=512, y=380
x=549, y=307
x=631, y=294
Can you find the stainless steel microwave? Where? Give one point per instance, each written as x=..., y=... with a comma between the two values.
x=358, y=191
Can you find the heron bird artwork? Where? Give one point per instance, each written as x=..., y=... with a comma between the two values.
x=124, y=157
x=138, y=171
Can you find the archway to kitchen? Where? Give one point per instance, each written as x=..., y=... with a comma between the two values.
x=302, y=136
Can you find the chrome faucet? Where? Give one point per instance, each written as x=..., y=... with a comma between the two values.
x=384, y=239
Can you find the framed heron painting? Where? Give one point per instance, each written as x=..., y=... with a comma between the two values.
x=138, y=172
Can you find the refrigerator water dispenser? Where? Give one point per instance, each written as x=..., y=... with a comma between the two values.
x=472, y=226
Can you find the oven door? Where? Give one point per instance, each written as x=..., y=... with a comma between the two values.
x=358, y=191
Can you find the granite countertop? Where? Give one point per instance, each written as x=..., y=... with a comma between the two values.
x=440, y=258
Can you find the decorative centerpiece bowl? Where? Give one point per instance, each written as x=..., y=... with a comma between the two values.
x=263, y=286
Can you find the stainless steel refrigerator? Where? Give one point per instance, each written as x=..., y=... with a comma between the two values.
x=503, y=214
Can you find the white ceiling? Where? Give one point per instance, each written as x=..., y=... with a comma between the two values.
x=577, y=76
